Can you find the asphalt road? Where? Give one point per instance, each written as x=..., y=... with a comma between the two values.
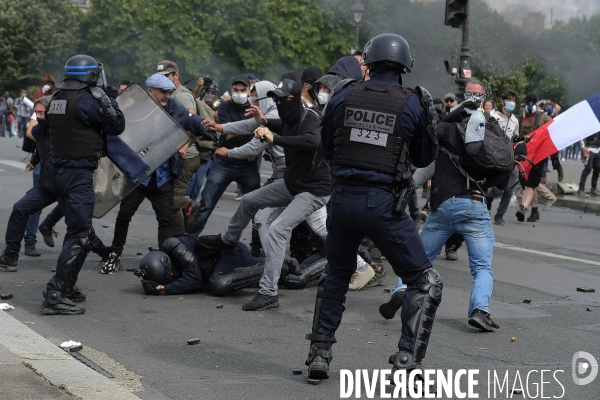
x=250, y=355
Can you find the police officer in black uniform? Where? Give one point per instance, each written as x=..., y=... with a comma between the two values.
x=371, y=131
x=78, y=117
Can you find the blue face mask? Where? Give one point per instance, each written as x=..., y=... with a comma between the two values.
x=509, y=106
x=531, y=108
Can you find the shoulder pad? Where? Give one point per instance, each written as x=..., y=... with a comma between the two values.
x=341, y=85
x=427, y=103
x=97, y=92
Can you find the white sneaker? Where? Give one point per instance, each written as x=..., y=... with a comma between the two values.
x=360, y=279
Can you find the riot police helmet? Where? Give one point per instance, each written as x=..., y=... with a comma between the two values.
x=84, y=69
x=389, y=49
x=155, y=266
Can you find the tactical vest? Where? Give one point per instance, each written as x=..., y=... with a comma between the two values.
x=69, y=138
x=369, y=136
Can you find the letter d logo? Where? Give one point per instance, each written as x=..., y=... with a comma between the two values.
x=581, y=368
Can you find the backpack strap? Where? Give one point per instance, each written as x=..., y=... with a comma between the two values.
x=455, y=160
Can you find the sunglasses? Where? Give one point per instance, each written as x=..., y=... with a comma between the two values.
x=449, y=100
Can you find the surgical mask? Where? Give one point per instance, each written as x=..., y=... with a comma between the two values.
x=239, y=98
x=323, y=98
x=510, y=106
x=530, y=108
x=252, y=99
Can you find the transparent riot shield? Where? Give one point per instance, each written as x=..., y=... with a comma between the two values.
x=152, y=135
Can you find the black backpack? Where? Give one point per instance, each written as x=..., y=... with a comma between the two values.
x=491, y=158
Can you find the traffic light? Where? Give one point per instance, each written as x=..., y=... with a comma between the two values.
x=456, y=13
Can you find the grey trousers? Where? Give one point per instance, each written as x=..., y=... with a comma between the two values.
x=274, y=227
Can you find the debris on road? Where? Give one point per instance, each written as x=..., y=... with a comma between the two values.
x=517, y=391
x=6, y=296
x=513, y=339
x=586, y=289
x=71, y=346
x=5, y=307
x=219, y=305
x=297, y=371
x=130, y=269
x=314, y=381
x=193, y=341
x=527, y=301
x=139, y=253
x=387, y=290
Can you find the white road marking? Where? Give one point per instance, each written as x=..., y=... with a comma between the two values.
x=545, y=253
x=16, y=164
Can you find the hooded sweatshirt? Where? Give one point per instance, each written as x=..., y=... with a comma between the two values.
x=347, y=68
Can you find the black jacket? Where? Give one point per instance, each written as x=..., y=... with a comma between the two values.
x=447, y=180
x=306, y=170
x=593, y=140
x=228, y=111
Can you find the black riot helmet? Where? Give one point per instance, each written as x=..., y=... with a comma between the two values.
x=210, y=93
x=155, y=266
x=390, y=49
x=84, y=69
x=329, y=81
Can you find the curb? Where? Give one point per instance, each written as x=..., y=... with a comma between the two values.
x=56, y=365
x=577, y=204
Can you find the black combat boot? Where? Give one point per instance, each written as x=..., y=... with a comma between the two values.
x=55, y=303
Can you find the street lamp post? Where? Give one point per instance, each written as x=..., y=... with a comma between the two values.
x=357, y=11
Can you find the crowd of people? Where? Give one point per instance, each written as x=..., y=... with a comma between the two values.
x=347, y=148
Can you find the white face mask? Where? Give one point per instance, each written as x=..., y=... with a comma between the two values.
x=323, y=98
x=239, y=98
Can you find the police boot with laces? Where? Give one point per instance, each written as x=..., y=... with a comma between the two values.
x=319, y=357
x=10, y=264
x=76, y=295
x=56, y=303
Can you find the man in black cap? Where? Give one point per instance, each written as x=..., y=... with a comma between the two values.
x=309, y=77
x=304, y=189
x=225, y=170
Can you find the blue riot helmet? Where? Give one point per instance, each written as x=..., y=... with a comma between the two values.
x=84, y=69
x=155, y=266
x=390, y=49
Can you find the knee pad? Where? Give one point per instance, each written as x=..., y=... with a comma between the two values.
x=179, y=254
x=422, y=306
x=223, y=284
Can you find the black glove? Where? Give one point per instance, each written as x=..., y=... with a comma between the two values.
x=150, y=287
x=267, y=156
x=111, y=91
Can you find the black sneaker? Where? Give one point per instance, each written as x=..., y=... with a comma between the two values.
x=10, y=264
x=48, y=234
x=380, y=276
x=214, y=242
x=261, y=302
x=31, y=251
x=319, y=357
x=535, y=216
x=111, y=264
x=521, y=213
x=498, y=220
x=482, y=320
x=56, y=304
x=388, y=310
x=189, y=215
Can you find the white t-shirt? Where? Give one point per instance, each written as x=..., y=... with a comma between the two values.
x=510, y=125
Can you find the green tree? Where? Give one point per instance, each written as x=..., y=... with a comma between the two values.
x=221, y=38
x=36, y=36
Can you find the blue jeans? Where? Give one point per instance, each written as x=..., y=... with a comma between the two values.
x=220, y=176
x=471, y=219
x=198, y=179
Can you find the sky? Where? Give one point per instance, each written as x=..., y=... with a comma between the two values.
x=562, y=10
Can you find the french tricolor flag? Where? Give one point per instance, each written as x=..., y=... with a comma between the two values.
x=575, y=124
